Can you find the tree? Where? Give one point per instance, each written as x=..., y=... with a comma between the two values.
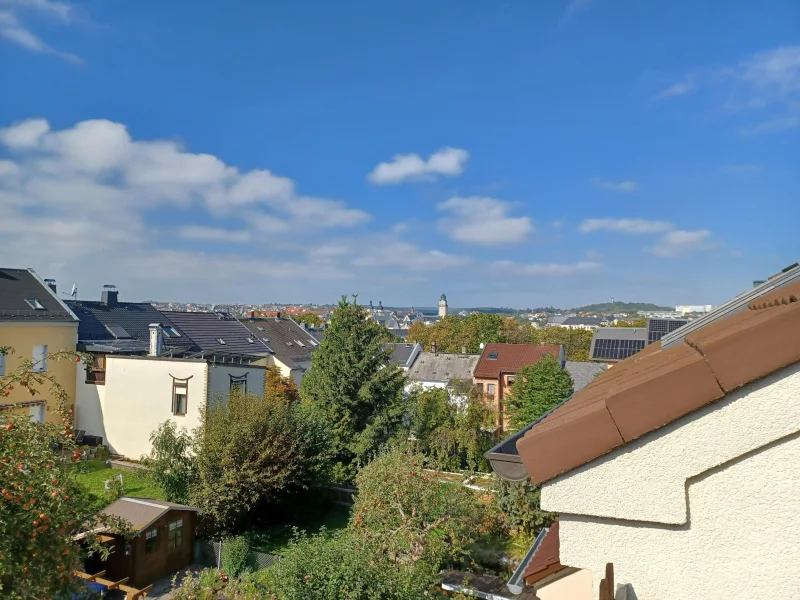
x=253, y=453
x=519, y=508
x=642, y=322
x=354, y=387
x=312, y=319
x=537, y=389
x=410, y=515
x=278, y=385
x=170, y=462
x=41, y=505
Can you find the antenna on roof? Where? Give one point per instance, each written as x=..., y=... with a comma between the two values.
x=74, y=292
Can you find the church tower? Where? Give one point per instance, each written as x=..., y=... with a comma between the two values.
x=443, y=307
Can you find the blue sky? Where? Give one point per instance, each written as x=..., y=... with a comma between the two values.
x=506, y=153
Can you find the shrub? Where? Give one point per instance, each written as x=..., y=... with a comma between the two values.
x=518, y=505
x=235, y=555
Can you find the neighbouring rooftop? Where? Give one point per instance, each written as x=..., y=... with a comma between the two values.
x=25, y=297
x=443, y=367
x=510, y=358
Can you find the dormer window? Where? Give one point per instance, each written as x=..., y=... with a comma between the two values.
x=34, y=304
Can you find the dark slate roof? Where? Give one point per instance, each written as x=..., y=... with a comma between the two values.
x=403, y=355
x=583, y=373
x=590, y=321
x=17, y=285
x=98, y=321
x=205, y=328
x=291, y=344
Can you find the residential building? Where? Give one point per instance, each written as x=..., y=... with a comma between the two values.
x=582, y=323
x=499, y=363
x=660, y=314
x=443, y=370
x=687, y=450
x=34, y=322
x=403, y=355
x=291, y=344
x=556, y=320
x=583, y=373
x=141, y=392
x=162, y=542
x=694, y=308
x=218, y=333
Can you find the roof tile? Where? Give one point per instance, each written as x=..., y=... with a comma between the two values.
x=547, y=559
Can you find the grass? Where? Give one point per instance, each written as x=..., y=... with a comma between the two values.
x=94, y=473
x=275, y=540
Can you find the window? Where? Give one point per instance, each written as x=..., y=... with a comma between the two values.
x=492, y=355
x=171, y=332
x=175, y=535
x=289, y=344
x=299, y=343
x=251, y=340
x=260, y=328
x=490, y=389
x=221, y=341
x=239, y=384
x=34, y=304
x=39, y=359
x=180, y=395
x=37, y=413
x=2, y=364
x=151, y=540
x=510, y=380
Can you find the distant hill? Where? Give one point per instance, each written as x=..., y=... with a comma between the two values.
x=620, y=307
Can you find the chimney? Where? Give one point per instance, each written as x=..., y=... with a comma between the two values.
x=51, y=283
x=109, y=296
x=156, y=340
x=433, y=346
x=278, y=316
x=758, y=282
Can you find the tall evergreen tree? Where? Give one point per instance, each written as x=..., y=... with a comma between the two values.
x=537, y=389
x=350, y=382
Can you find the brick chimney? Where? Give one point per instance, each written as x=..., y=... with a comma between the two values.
x=109, y=296
x=156, y=340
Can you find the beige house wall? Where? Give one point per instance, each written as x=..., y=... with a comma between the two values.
x=707, y=507
x=22, y=337
x=89, y=404
x=575, y=586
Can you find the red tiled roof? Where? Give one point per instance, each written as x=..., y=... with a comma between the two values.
x=659, y=385
x=512, y=357
x=547, y=559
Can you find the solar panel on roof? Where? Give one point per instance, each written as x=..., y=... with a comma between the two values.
x=610, y=349
x=118, y=332
x=658, y=328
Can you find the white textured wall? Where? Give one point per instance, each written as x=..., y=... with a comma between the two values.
x=89, y=404
x=219, y=381
x=138, y=397
x=575, y=586
x=708, y=507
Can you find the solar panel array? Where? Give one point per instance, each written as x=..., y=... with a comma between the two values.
x=610, y=349
x=658, y=328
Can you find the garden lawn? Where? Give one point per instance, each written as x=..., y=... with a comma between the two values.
x=137, y=485
x=275, y=540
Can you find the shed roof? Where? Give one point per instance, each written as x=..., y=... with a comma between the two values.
x=659, y=385
x=25, y=297
x=142, y=512
x=290, y=342
x=510, y=358
x=441, y=366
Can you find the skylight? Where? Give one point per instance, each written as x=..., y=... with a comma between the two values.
x=492, y=355
x=251, y=340
x=221, y=341
x=118, y=332
x=34, y=303
x=289, y=344
x=265, y=339
x=171, y=332
x=299, y=343
x=260, y=328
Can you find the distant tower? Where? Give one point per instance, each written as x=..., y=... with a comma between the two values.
x=443, y=307
x=380, y=307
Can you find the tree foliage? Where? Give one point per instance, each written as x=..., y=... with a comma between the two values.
x=311, y=319
x=537, y=389
x=642, y=322
x=41, y=505
x=350, y=382
x=276, y=385
x=235, y=554
x=410, y=515
x=170, y=462
x=519, y=508
x=454, y=333
x=252, y=453
x=449, y=433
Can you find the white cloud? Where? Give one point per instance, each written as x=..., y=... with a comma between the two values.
x=481, y=220
x=548, y=269
x=396, y=253
x=626, y=186
x=635, y=226
x=412, y=167
x=14, y=30
x=25, y=134
x=676, y=89
x=680, y=243
x=214, y=234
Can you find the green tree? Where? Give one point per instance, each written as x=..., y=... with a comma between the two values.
x=642, y=322
x=41, y=504
x=519, y=508
x=350, y=382
x=170, y=462
x=312, y=319
x=537, y=389
x=576, y=342
x=419, y=332
x=253, y=453
x=410, y=515
x=278, y=385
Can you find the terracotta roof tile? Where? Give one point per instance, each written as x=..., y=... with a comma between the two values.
x=512, y=357
x=657, y=386
x=547, y=559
